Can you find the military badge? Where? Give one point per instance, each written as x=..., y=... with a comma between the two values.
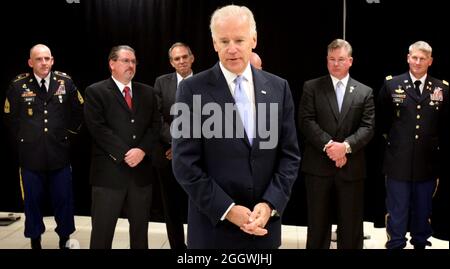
x=352, y=88
x=30, y=111
x=7, y=107
x=399, y=90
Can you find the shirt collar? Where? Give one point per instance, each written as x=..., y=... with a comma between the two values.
x=344, y=80
x=121, y=85
x=422, y=79
x=230, y=77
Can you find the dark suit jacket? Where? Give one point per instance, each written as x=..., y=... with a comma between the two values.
x=320, y=122
x=165, y=90
x=115, y=130
x=413, y=144
x=41, y=122
x=215, y=172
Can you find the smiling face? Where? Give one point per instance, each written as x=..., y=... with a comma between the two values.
x=41, y=60
x=339, y=62
x=233, y=41
x=419, y=61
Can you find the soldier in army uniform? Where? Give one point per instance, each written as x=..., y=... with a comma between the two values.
x=42, y=110
x=413, y=109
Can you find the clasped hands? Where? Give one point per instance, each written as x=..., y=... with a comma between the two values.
x=336, y=152
x=134, y=156
x=251, y=222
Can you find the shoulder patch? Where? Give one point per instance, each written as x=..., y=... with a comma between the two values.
x=389, y=77
x=21, y=76
x=80, y=98
x=445, y=82
x=62, y=74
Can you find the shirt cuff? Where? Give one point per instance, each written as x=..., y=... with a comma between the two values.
x=226, y=212
x=326, y=145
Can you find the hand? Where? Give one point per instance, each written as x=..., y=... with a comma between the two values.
x=258, y=220
x=134, y=156
x=169, y=154
x=238, y=215
x=336, y=151
x=341, y=162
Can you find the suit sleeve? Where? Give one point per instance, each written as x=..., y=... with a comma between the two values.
x=384, y=110
x=165, y=128
x=279, y=190
x=11, y=112
x=96, y=123
x=151, y=136
x=188, y=161
x=365, y=131
x=308, y=125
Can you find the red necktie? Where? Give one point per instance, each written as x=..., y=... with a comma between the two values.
x=126, y=91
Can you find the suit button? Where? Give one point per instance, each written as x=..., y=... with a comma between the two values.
x=45, y=111
x=418, y=117
x=417, y=126
x=416, y=137
x=45, y=103
x=132, y=120
x=45, y=129
x=418, y=106
x=21, y=140
x=134, y=136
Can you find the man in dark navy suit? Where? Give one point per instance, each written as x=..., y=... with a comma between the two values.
x=237, y=177
x=124, y=122
x=173, y=196
x=414, y=110
x=42, y=110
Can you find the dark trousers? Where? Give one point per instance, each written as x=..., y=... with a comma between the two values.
x=107, y=205
x=349, y=204
x=174, y=201
x=59, y=183
x=408, y=202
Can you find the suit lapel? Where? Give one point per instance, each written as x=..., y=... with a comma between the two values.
x=348, y=99
x=173, y=87
x=331, y=96
x=262, y=96
x=116, y=92
x=135, y=98
x=408, y=86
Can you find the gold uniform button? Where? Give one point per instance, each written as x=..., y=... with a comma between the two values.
x=417, y=126
x=45, y=120
x=418, y=117
x=418, y=106
x=134, y=136
x=45, y=111
x=132, y=120
x=417, y=136
x=45, y=129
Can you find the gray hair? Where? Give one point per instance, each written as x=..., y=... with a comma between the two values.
x=340, y=43
x=113, y=54
x=233, y=11
x=422, y=46
x=179, y=44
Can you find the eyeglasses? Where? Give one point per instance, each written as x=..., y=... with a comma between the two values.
x=128, y=61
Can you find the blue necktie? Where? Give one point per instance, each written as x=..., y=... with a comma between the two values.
x=340, y=91
x=244, y=107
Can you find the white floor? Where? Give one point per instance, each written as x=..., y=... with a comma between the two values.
x=293, y=237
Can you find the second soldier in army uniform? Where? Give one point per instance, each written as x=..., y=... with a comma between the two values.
x=413, y=109
x=42, y=110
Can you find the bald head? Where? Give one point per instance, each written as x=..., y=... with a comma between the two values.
x=255, y=60
x=41, y=60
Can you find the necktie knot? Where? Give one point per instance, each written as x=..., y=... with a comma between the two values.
x=127, y=95
x=417, y=87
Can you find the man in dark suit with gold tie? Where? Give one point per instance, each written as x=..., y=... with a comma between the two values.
x=124, y=123
x=173, y=196
x=336, y=117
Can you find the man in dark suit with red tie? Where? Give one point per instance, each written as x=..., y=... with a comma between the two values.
x=124, y=123
x=173, y=196
x=336, y=117
x=238, y=177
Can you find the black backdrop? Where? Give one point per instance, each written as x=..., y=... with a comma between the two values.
x=292, y=40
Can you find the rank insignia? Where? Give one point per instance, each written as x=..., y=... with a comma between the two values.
x=30, y=111
x=7, y=108
x=399, y=90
